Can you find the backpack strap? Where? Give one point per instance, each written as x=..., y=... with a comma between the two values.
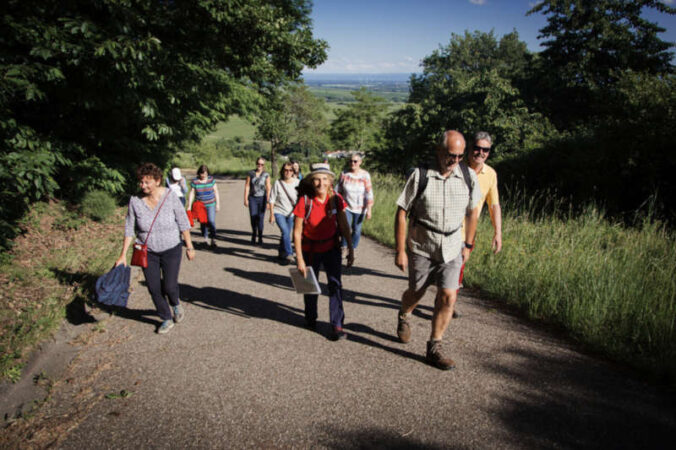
x=468, y=179
x=422, y=185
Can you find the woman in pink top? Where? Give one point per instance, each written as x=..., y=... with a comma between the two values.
x=355, y=187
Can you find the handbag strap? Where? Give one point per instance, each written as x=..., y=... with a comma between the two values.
x=281, y=183
x=166, y=194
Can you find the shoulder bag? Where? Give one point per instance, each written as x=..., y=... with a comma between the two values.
x=139, y=257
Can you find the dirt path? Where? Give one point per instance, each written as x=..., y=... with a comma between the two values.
x=241, y=371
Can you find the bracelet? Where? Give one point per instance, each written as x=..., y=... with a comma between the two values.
x=469, y=246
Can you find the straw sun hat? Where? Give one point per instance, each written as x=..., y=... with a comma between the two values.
x=320, y=168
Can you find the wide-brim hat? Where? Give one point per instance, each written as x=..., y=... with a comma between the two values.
x=318, y=169
x=176, y=173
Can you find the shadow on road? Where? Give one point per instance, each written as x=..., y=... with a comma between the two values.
x=241, y=304
x=583, y=405
x=374, y=438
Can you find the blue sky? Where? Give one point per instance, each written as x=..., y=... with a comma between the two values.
x=392, y=36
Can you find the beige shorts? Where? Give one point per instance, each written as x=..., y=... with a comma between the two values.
x=423, y=272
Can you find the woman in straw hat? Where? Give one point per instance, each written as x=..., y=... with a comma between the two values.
x=318, y=224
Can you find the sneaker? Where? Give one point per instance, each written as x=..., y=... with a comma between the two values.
x=403, y=329
x=179, y=314
x=165, y=327
x=213, y=244
x=436, y=358
x=456, y=314
x=337, y=334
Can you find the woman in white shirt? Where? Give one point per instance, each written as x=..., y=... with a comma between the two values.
x=283, y=198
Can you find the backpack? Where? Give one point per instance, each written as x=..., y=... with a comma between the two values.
x=422, y=185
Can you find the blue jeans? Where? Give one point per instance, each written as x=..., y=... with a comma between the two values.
x=211, y=225
x=331, y=261
x=354, y=222
x=285, y=225
x=257, y=213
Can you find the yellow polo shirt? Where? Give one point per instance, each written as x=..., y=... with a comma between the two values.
x=488, y=184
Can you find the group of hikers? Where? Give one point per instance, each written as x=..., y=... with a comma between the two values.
x=320, y=221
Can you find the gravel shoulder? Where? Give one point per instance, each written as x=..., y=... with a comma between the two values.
x=242, y=371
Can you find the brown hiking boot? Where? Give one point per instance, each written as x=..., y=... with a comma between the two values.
x=436, y=358
x=403, y=329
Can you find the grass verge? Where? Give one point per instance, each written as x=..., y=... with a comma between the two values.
x=611, y=287
x=50, y=270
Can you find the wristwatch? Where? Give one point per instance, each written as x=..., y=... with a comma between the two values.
x=469, y=246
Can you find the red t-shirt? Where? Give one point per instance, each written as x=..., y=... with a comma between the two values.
x=322, y=225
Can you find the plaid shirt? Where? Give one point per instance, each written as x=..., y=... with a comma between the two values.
x=442, y=206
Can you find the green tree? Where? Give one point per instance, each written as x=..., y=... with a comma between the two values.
x=588, y=45
x=357, y=126
x=470, y=85
x=89, y=89
x=292, y=116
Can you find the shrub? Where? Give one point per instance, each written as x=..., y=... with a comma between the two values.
x=98, y=205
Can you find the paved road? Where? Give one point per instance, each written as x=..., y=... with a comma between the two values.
x=241, y=371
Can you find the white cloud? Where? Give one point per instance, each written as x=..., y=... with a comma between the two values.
x=478, y=2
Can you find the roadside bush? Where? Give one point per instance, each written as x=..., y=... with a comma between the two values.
x=98, y=205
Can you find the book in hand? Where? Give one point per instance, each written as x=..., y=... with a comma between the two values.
x=307, y=284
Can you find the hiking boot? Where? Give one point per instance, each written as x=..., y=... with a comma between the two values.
x=337, y=334
x=403, y=329
x=179, y=314
x=311, y=325
x=165, y=327
x=213, y=243
x=436, y=358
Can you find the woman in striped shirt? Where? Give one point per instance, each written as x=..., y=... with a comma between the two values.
x=355, y=187
x=204, y=190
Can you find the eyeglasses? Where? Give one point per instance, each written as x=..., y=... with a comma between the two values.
x=455, y=156
x=478, y=148
x=260, y=164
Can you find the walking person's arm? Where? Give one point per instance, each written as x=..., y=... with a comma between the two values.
x=191, y=198
x=125, y=247
x=496, y=219
x=218, y=199
x=189, y=249
x=401, y=259
x=470, y=232
x=267, y=188
x=368, y=195
x=347, y=235
x=297, y=243
x=246, y=190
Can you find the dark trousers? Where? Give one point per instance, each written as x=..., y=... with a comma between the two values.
x=331, y=261
x=162, y=279
x=257, y=213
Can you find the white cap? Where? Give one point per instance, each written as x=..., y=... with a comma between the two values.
x=176, y=173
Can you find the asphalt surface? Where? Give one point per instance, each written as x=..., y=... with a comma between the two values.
x=242, y=371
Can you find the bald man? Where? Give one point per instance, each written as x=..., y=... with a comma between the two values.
x=434, y=250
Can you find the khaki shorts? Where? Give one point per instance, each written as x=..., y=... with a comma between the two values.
x=423, y=272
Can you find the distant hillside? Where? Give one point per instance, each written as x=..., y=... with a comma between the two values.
x=337, y=87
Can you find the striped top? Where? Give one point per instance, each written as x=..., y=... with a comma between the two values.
x=204, y=191
x=356, y=190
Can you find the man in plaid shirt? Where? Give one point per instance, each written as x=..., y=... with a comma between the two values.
x=434, y=250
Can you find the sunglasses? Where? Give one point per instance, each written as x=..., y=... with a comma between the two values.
x=478, y=148
x=259, y=164
x=354, y=161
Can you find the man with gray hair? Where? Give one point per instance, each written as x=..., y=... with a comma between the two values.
x=433, y=249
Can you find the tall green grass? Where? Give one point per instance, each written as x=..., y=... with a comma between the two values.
x=613, y=288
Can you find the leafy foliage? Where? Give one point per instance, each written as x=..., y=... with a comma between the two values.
x=588, y=45
x=90, y=89
x=471, y=84
x=293, y=117
x=357, y=126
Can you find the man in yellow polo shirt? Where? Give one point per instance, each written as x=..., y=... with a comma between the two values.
x=488, y=183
